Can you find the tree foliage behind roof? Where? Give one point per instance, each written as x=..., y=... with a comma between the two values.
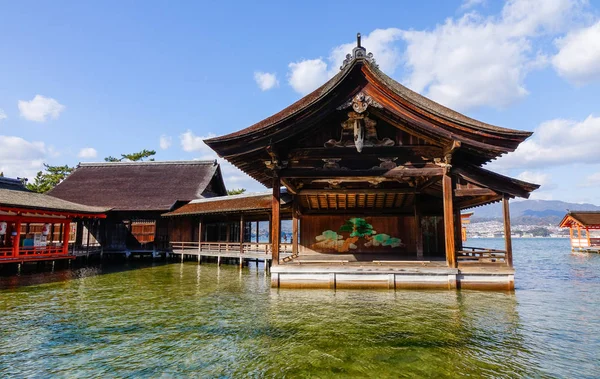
x=45, y=180
x=236, y=191
x=133, y=157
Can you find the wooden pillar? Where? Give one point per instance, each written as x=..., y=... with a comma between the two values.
x=507, y=236
x=448, y=196
x=17, y=239
x=589, y=240
x=66, y=232
x=418, y=231
x=275, y=221
x=241, y=234
x=571, y=236
x=87, y=245
x=200, y=232
x=257, y=231
x=228, y=232
x=295, y=222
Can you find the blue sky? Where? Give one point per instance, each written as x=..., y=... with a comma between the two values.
x=80, y=80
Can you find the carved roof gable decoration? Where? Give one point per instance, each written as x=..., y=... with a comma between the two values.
x=359, y=130
x=358, y=52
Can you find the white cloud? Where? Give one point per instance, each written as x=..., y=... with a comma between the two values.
x=266, y=80
x=468, y=4
x=21, y=158
x=87, y=152
x=40, y=108
x=193, y=143
x=165, y=142
x=535, y=177
x=307, y=75
x=578, y=58
x=464, y=63
x=3, y=115
x=557, y=142
x=476, y=61
x=592, y=180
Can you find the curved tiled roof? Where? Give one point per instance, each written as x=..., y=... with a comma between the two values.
x=412, y=97
x=583, y=218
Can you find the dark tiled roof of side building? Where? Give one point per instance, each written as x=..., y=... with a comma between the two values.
x=235, y=203
x=141, y=186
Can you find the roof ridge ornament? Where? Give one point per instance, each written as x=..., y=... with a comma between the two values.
x=358, y=52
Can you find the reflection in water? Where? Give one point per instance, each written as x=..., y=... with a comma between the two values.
x=205, y=320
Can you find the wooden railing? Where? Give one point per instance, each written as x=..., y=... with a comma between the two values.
x=480, y=255
x=230, y=247
x=31, y=252
x=6, y=252
x=583, y=242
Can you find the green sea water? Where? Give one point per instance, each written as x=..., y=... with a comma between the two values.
x=186, y=320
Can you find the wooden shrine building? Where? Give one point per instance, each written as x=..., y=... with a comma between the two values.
x=582, y=225
x=138, y=193
x=37, y=227
x=378, y=176
x=237, y=226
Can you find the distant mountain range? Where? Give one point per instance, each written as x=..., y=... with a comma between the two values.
x=537, y=212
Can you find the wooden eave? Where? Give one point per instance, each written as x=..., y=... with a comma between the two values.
x=402, y=108
x=571, y=220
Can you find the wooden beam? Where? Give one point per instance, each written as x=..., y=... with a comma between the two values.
x=276, y=222
x=429, y=182
x=367, y=152
x=507, y=236
x=449, y=220
x=308, y=192
x=405, y=171
x=460, y=192
x=290, y=187
x=479, y=200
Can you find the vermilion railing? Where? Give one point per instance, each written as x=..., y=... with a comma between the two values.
x=32, y=252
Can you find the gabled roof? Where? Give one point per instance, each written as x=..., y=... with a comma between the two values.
x=140, y=186
x=431, y=120
x=590, y=219
x=261, y=201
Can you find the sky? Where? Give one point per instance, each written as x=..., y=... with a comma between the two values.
x=80, y=81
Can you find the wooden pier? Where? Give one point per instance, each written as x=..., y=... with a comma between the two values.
x=250, y=251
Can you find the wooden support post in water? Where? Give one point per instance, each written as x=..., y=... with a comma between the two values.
x=571, y=237
x=507, y=236
x=257, y=231
x=295, y=222
x=448, y=197
x=16, y=240
x=276, y=222
x=241, y=238
x=587, y=234
x=66, y=232
x=200, y=241
x=418, y=231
